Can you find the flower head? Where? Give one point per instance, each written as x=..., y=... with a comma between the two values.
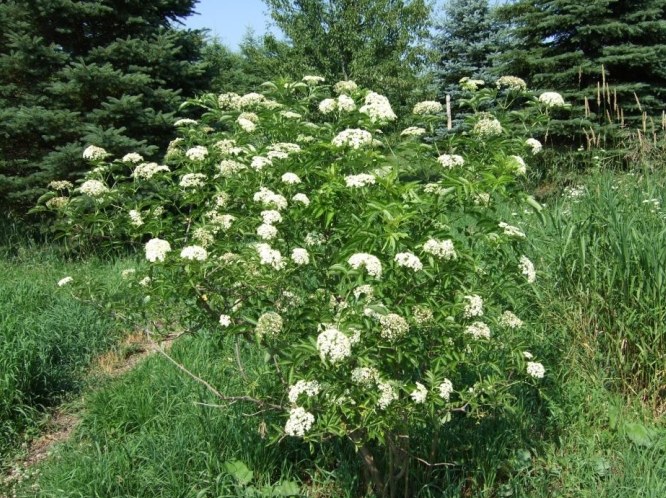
x=94, y=153
x=551, y=99
x=65, y=281
x=300, y=422
x=409, y=260
x=156, y=250
x=535, y=369
x=419, y=394
x=196, y=253
x=93, y=188
x=427, y=107
x=371, y=264
x=333, y=345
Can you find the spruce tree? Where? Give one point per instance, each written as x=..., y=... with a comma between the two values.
x=466, y=42
x=575, y=48
x=74, y=73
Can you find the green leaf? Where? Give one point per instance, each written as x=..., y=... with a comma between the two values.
x=638, y=434
x=239, y=471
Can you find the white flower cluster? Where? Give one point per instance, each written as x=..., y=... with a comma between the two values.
x=65, y=281
x=203, y=236
x=135, y=218
x=364, y=376
x=393, y=326
x=259, y=162
x=290, y=115
x=352, y=137
x=313, y=80
x=57, y=202
x=128, y=273
x=270, y=198
x=328, y=106
x=193, y=180
x=428, y=107
x=197, y=153
x=314, y=239
x=510, y=320
x=266, y=231
x=488, y=126
x=518, y=164
x=474, y=306
x=60, y=185
x=527, y=268
x=225, y=320
x=512, y=83
x=194, y=253
x=422, y=315
x=228, y=168
x=220, y=221
x=551, y=99
x=185, y=122
x=333, y=345
x=286, y=147
x=450, y=160
x=226, y=146
x=93, y=188
x=440, y=248
x=270, y=217
x=445, y=389
x=290, y=178
x=300, y=256
x=156, y=250
x=302, y=198
x=253, y=100
x=478, y=330
x=413, y=131
x=345, y=86
x=467, y=83
x=269, y=324
x=309, y=387
x=147, y=170
x=145, y=282
x=94, y=153
x=409, y=260
x=364, y=290
x=419, y=394
x=132, y=157
x=229, y=101
x=387, y=394
x=535, y=369
x=511, y=230
x=371, y=263
x=360, y=180
x=246, y=125
x=299, y=422
x=534, y=144
x=269, y=256
x=378, y=108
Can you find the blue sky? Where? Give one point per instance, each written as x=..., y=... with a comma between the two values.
x=229, y=19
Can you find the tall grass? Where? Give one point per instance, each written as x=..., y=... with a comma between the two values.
x=47, y=338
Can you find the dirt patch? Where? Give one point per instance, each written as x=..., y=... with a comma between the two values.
x=134, y=348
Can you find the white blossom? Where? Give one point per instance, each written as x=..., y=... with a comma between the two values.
x=57, y=202
x=147, y=170
x=511, y=83
x=268, y=197
x=269, y=324
x=135, y=218
x=346, y=104
x=527, y=268
x=229, y=101
x=393, y=326
x=65, y=281
x=413, y=131
x=488, y=126
x=290, y=178
x=478, y=330
x=378, y=108
x=259, y=162
x=428, y=107
x=300, y=256
x=271, y=216
x=360, y=180
x=419, y=394
x=474, y=306
x=197, y=253
x=409, y=260
x=225, y=320
x=354, y=138
x=511, y=230
x=247, y=125
x=145, y=281
x=300, y=422
x=387, y=394
x=440, y=248
x=193, y=180
x=445, y=389
x=450, y=160
x=308, y=387
x=185, y=122
x=364, y=376
x=510, y=320
x=535, y=369
x=551, y=99
x=313, y=80
x=302, y=198
x=345, y=86
x=197, y=153
x=267, y=232
x=534, y=144
x=94, y=153
x=518, y=164
x=471, y=85
x=156, y=250
x=333, y=345
x=228, y=168
x=328, y=106
x=269, y=256
x=132, y=157
x=371, y=264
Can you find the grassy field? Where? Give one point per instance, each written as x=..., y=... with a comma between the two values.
x=595, y=429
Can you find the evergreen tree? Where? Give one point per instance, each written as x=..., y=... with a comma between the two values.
x=377, y=43
x=466, y=42
x=73, y=73
x=563, y=45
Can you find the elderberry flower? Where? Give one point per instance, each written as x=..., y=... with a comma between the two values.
x=527, y=268
x=488, y=126
x=270, y=217
x=269, y=256
x=313, y=80
x=65, y=281
x=450, y=160
x=61, y=185
x=535, y=369
x=354, y=138
x=258, y=163
x=225, y=320
x=132, y=157
x=474, y=306
x=93, y=188
x=445, y=389
x=511, y=230
x=247, y=125
x=387, y=394
x=300, y=256
x=299, y=422
x=512, y=83
x=427, y=107
x=371, y=264
x=192, y=180
x=393, y=326
x=364, y=376
x=197, y=153
x=156, y=250
x=345, y=86
x=57, y=202
x=409, y=260
x=478, y=330
x=510, y=320
x=361, y=180
x=419, y=394
x=94, y=153
x=290, y=178
x=442, y=249
x=346, y=104
x=333, y=345
x=422, y=314
x=551, y=99
x=269, y=324
x=197, y=253
x=267, y=232
x=135, y=218
x=302, y=198
x=534, y=144
x=518, y=164
x=328, y=106
x=308, y=387
x=378, y=108
x=147, y=170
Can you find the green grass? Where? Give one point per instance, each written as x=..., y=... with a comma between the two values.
x=47, y=338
